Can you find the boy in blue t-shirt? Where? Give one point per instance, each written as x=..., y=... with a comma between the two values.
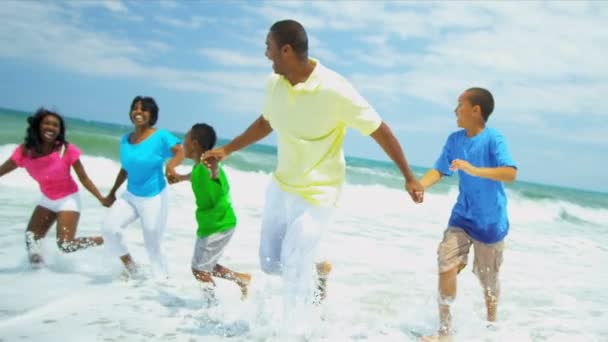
x=479, y=217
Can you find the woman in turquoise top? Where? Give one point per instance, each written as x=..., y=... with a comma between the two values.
x=142, y=155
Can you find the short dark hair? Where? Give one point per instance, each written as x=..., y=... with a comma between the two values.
x=147, y=104
x=204, y=135
x=291, y=32
x=32, y=139
x=483, y=98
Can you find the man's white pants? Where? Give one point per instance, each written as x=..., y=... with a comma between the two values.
x=291, y=231
x=153, y=214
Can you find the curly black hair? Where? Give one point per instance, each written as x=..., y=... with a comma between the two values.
x=32, y=140
x=147, y=104
x=204, y=135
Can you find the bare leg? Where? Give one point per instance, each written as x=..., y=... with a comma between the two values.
x=203, y=276
x=447, y=294
x=241, y=279
x=129, y=264
x=491, y=302
x=323, y=270
x=41, y=221
x=67, y=223
x=209, y=287
x=488, y=259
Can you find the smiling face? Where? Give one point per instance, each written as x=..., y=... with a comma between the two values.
x=275, y=55
x=188, y=145
x=192, y=149
x=140, y=116
x=467, y=115
x=50, y=128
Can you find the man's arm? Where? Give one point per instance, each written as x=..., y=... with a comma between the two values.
x=257, y=131
x=385, y=138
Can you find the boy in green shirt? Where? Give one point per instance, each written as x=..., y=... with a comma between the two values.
x=214, y=213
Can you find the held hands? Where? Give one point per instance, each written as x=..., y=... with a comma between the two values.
x=213, y=166
x=459, y=164
x=415, y=189
x=171, y=175
x=108, y=200
x=213, y=156
x=179, y=178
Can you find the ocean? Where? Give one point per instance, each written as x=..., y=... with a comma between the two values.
x=383, y=248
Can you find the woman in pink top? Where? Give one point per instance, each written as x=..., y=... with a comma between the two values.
x=48, y=157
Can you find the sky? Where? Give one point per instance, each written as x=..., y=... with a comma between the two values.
x=203, y=61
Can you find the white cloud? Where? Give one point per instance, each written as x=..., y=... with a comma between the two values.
x=98, y=54
x=191, y=23
x=233, y=58
x=112, y=5
x=593, y=135
x=274, y=11
x=156, y=46
x=319, y=49
x=168, y=4
x=542, y=59
x=115, y=6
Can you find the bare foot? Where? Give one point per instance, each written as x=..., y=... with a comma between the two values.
x=97, y=240
x=209, y=298
x=323, y=270
x=243, y=280
x=36, y=260
x=436, y=338
x=131, y=271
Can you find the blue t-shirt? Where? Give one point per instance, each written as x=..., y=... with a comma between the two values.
x=481, y=208
x=144, y=162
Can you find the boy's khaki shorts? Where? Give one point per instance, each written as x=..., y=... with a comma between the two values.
x=453, y=252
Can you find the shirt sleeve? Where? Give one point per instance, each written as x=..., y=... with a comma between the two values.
x=72, y=154
x=270, y=84
x=356, y=112
x=501, y=152
x=18, y=156
x=169, y=140
x=445, y=159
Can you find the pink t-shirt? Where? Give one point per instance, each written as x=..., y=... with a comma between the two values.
x=52, y=172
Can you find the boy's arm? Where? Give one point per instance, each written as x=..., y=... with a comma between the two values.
x=500, y=173
x=430, y=178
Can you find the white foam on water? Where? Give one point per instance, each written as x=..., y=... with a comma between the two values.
x=382, y=288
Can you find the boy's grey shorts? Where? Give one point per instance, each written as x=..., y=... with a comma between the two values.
x=208, y=250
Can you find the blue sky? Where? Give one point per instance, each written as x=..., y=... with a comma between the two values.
x=203, y=61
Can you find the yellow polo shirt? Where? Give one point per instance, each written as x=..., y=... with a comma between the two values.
x=310, y=120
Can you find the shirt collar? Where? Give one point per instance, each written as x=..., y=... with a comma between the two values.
x=313, y=81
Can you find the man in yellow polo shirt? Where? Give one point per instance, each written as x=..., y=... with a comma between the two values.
x=309, y=107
